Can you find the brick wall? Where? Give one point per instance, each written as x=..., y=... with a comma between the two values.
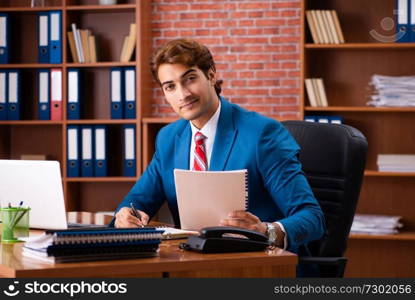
x=255, y=44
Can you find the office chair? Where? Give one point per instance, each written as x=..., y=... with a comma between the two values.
x=333, y=158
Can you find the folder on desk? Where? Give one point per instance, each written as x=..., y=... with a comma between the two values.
x=100, y=167
x=73, y=151
x=130, y=101
x=56, y=94
x=43, y=37
x=13, y=111
x=4, y=38
x=116, y=93
x=44, y=94
x=55, y=36
x=403, y=27
x=74, y=94
x=129, y=150
x=87, y=160
x=3, y=95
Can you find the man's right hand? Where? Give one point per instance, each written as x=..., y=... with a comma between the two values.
x=124, y=218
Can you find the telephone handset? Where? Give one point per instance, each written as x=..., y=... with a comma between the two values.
x=216, y=240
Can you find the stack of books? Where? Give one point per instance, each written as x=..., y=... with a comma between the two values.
x=82, y=45
x=129, y=44
x=324, y=27
x=396, y=162
x=376, y=224
x=316, y=92
x=392, y=91
x=105, y=243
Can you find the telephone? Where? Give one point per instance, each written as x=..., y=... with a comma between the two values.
x=216, y=240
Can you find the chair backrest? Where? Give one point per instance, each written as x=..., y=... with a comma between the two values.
x=333, y=158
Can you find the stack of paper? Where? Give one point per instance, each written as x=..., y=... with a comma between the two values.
x=376, y=224
x=397, y=91
x=396, y=163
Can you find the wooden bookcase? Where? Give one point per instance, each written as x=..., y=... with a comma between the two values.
x=346, y=70
x=109, y=23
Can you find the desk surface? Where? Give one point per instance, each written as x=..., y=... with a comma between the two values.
x=171, y=262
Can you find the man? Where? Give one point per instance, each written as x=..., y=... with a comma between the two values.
x=214, y=134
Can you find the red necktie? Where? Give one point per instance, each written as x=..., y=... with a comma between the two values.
x=200, y=160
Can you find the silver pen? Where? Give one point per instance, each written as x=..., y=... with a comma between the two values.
x=136, y=213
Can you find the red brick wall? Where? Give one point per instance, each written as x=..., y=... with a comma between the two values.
x=255, y=44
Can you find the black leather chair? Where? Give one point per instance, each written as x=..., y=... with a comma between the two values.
x=333, y=158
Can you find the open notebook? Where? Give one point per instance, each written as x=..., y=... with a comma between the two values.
x=206, y=197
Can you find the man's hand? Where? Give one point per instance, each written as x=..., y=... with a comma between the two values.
x=244, y=219
x=124, y=218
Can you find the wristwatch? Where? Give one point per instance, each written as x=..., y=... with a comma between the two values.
x=271, y=233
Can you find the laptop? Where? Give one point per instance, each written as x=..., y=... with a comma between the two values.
x=39, y=185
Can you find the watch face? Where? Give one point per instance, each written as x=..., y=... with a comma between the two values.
x=272, y=233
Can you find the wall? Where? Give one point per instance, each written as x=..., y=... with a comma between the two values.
x=255, y=44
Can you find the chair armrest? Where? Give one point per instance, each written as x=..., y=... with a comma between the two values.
x=338, y=264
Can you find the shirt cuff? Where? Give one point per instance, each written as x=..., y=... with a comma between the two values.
x=285, y=235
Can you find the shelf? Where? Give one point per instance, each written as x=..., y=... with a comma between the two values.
x=100, y=179
x=30, y=9
x=29, y=66
x=101, y=64
x=31, y=122
x=105, y=8
x=403, y=236
x=360, y=109
x=388, y=174
x=103, y=121
x=370, y=46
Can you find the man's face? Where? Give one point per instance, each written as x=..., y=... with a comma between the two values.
x=191, y=95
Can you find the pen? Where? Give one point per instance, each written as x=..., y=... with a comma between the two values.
x=136, y=213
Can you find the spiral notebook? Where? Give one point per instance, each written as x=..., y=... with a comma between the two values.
x=206, y=197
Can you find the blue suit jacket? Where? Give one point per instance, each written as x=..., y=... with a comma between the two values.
x=277, y=187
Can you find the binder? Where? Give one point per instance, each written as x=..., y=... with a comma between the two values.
x=323, y=119
x=4, y=38
x=55, y=34
x=412, y=21
x=100, y=166
x=87, y=167
x=3, y=95
x=129, y=150
x=13, y=112
x=310, y=119
x=129, y=103
x=336, y=120
x=43, y=37
x=56, y=94
x=402, y=27
x=73, y=151
x=44, y=94
x=116, y=93
x=74, y=94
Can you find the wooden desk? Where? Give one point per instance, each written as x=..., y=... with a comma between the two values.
x=172, y=262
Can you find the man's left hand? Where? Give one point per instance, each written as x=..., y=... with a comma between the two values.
x=244, y=219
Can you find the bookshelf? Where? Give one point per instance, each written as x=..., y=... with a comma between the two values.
x=346, y=70
x=109, y=23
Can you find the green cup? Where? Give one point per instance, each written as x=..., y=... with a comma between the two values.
x=15, y=223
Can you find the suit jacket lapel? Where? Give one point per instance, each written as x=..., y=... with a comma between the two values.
x=182, y=147
x=224, y=139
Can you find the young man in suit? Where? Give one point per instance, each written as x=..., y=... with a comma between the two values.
x=214, y=134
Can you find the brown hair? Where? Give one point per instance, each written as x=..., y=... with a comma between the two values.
x=185, y=52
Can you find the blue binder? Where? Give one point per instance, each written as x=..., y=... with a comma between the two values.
x=336, y=119
x=402, y=21
x=43, y=37
x=323, y=119
x=129, y=150
x=44, y=94
x=4, y=38
x=87, y=153
x=55, y=36
x=116, y=93
x=3, y=94
x=13, y=98
x=310, y=119
x=74, y=94
x=100, y=136
x=73, y=151
x=130, y=101
x=412, y=21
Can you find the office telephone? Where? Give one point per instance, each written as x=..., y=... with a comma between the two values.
x=221, y=239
